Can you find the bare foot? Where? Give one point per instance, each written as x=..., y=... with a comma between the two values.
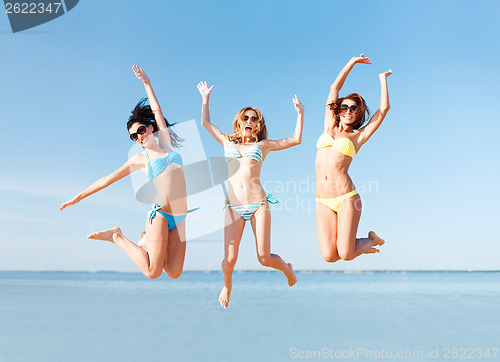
x=373, y=240
x=385, y=74
x=105, y=235
x=371, y=250
x=142, y=240
x=291, y=278
x=224, y=297
x=376, y=241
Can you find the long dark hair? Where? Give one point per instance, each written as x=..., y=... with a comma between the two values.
x=143, y=114
x=362, y=112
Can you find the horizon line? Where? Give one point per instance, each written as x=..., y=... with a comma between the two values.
x=304, y=271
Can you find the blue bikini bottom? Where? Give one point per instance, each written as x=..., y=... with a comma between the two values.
x=172, y=220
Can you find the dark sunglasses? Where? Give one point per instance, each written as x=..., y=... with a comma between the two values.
x=345, y=107
x=246, y=118
x=140, y=131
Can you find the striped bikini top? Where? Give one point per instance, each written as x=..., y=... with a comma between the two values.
x=342, y=144
x=157, y=165
x=254, y=152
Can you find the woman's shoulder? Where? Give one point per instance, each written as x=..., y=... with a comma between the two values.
x=262, y=144
x=139, y=158
x=331, y=130
x=229, y=138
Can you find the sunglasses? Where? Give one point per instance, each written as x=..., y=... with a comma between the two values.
x=345, y=107
x=246, y=118
x=140, y=131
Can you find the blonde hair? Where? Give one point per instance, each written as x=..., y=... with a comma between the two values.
x=261, y=131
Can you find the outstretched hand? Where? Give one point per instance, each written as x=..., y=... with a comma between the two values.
x=73, y=201
x=140, y=74
x=385, y=74
x=299, y=107
x=204, y=90
x=361, y=59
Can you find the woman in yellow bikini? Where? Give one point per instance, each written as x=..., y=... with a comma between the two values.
x=245, y=150
x=338, y=203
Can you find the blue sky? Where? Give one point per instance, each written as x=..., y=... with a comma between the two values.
x=428, y=176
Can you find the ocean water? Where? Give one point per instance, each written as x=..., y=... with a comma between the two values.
x=425, y=316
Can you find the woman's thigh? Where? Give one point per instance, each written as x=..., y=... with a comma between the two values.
x=261, y=226
x=349, y=214
x=176, y=250
x=157, y=240
x=234, y=225
x=326, y=229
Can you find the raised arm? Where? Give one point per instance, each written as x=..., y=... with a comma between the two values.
x=296, y=139
x=205, y=113
x=366, y=132
x=130, y=166
x=336, y=86
x=163, y=134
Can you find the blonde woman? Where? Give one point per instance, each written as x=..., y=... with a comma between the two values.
x=245, y=150
x=338, y=203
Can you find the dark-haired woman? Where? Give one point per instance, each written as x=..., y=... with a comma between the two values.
x=164, y=238
x=245, y=150
x=338, y=203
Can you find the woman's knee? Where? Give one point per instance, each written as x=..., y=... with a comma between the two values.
x=153, y=273
x=265, y=260
x=330, y=256
x=230, y=260
x=346, y=254
x=328, y=247
x=173, y=273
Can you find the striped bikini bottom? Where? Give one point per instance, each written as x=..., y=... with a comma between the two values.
x=247, y=211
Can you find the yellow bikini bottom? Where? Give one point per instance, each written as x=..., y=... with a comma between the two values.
x=334, y=203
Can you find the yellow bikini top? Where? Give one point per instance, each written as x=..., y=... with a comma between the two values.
x=341, y=144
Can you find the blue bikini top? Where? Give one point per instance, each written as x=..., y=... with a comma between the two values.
x=157, y=165
x=254, y=152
